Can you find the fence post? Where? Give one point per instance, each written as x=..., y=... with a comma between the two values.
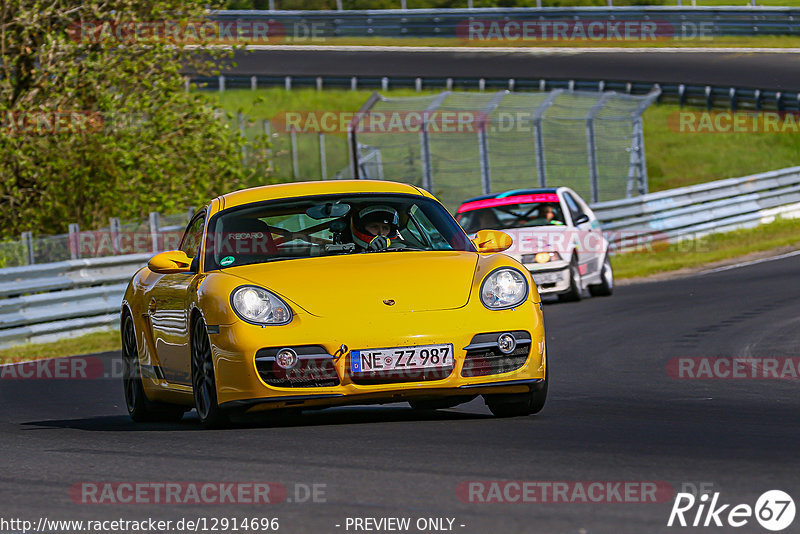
x=253, y=83
x=268, y=135
x=27, y=242
x=424, y=142
x=483, y=141
x=323, y=164
x=221, y=82
x=114, y=229
x=155, y=224
x=538, y=137
x=295, y=164
x=591, y=147
x=74, y=241
x=240, y=120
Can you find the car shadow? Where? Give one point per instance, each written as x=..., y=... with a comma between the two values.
x=351, y=415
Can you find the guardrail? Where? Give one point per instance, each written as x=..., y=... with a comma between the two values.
x=686, y=21
x=710, y=97
x=53, y=300
x=702, y=209
x=49, y=301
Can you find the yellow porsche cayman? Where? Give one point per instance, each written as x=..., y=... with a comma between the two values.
x=319, y=294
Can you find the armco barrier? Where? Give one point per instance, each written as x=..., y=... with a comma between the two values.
x=53, y=300
x=705, y=208
x=447, y=22
x=48, y=301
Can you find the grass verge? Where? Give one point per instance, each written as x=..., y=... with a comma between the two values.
x=104, y=341
x=714, y=248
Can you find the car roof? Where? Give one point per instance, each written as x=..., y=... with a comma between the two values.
x=329, y=187
x=513, y=192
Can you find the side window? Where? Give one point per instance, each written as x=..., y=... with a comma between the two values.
x=574, y=210
x=194, y=233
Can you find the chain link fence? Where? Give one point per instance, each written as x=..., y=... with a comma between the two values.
x=458, y=145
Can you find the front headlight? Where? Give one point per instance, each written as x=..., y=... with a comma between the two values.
x=541, y=257
x=504, y=288
x=256, y=305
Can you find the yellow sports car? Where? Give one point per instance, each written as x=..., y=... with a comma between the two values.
x=319, y=294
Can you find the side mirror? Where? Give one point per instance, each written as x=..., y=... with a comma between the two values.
x=487, y=241
x=170, y=262
x=581, y=219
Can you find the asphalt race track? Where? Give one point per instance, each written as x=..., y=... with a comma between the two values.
x=763, y=70
x=613, y=414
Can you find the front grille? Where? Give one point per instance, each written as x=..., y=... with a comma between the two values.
x=484, y=357
x=313, y=370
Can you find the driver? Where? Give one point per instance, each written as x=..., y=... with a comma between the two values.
x=374, y=227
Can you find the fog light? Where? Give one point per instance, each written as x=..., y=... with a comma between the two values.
x=286, y=358
x=542, y=257
x=507, y=343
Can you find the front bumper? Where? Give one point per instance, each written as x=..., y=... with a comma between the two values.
x=551, y=277
x=240, y=385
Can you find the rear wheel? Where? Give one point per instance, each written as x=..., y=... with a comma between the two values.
x=573, y=294
x=606, y=285
x=139, y=407
x=204, y=384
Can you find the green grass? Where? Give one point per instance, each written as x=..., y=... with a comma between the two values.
x=104, y=341
x=710, y=249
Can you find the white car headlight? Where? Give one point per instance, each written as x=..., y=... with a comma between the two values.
x=504, y=288
x=256, y=305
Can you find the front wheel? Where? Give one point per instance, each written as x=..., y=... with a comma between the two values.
x=519, y=404
x=606, y=285
x=573, y=294
x=139, y=407
x=204, y=385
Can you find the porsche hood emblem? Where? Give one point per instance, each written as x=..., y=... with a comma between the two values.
x=389, y=302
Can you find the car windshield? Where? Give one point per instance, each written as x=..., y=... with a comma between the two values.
x=511, y=216
x=328, y=225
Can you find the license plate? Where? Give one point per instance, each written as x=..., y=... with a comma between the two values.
x=546, y=278
x=401, y=358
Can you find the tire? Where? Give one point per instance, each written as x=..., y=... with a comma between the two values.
x=204, y=384
x=573, y=294
x=140, y=409
x=606, y=286
x=521, y=404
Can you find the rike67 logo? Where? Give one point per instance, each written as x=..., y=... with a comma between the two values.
x=774, y=510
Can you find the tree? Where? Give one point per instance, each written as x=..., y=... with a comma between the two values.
x=95, y=120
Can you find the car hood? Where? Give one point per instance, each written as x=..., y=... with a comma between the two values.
x=360, y=283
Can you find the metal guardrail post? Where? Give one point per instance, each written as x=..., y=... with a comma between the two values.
x=323, y=164
x=591, y=147
x=155, y=224
x=114, y=230
x=74, y=241
x=483, y=141
x=538, y=136
x=253, y=83
x=27, y=242
x=295, y=163
x=221, y=83
x=424, y=142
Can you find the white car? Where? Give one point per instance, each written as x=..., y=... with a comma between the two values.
x=556, y=236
